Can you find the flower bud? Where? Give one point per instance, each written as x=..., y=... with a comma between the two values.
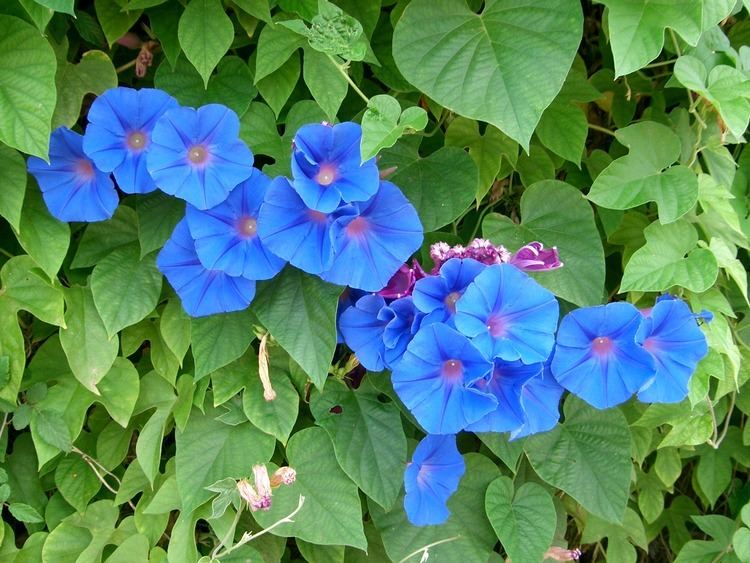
x=283, y=476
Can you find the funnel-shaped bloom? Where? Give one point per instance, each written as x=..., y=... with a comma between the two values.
x=197, y=155
x=402, y=322
x=597, y=357
x=327, y=167
x=506, y=383
x=372, y=244
x=363, y=331
x=672, y=336
x=72, y=187
x=540, y=399
x=293, y=231
x=226, y=236
x=118, y=135
x=436, y=296
x=508, y=315
x=431, y=478
x=434, y=379
x=203, y=292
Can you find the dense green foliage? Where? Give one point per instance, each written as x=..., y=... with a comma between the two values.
x=612, y=130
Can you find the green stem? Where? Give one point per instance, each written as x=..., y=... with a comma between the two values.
x=343, y=70
x=601, y=129
x=227, y=541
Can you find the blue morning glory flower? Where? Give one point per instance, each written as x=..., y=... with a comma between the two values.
x=363, y=331
x=293, y=231
x=197, y=155
x=540, y=400
x=203, y=292
x=118, y=135
x=431, y=478
x=348, y=298
x=436, y=296
x=402, y=320
x=72, y=187
x=327, y=167
x=226, y=236
x=597, y=357
x=672, y=336
x=506, y=383
x=373, y=242
x=434, y=379
x=508, y=315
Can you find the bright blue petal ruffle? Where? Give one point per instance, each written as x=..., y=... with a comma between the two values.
x=363, y=331
x=540, y=400
x=437, y=296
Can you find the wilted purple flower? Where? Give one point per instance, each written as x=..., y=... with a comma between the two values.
x=534, y=257
x=402, y=282
x=283, y=476
x=431, y=478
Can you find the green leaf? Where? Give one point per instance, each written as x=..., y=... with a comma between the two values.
x=520, y=53
x=384, y=122
x=27, y=288
x=472, y=536
x=149, y=444
x=332, y=514
x=727, y=88
x=175, y=328
x=299, y=310
x=25, y=513
x=27, y=87
x=367, y=436
x=220, y=339
x=101, y=238
x=536, y=166
x=486, y=150
x=333, y=32
x=256, y=8
x=119, y=391
x=326, y=84
x=45, y=238
x=231, y=84
x=39, y=15
x=52, y=429
x=13, y=179
x=157, y=215
x=588, y=457
x=114, y=20
x=76, y=481
x=714, y=472
x=125, y=288
x=636, y=29
x=208, y=450
x=277, y=86
x=275, y=45
x=89, y=349
x=165, y=20
x=556, y=214
x=645, y=174
x=524, y=521
x=205, y=34
x=441, y=186
x=94, y=74
x=669, y=258
x=65, y=6
x=741, y=544
x=276, y=417
x=12, y=348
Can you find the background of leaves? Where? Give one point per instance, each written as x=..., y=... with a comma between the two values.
x=612, y=130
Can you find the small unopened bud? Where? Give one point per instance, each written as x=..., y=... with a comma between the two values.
x=130, y=40
x=283, y=476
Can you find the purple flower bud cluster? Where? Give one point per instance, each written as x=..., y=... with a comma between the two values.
x=531, y=257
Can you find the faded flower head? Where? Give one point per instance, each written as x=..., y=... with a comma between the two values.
x=283, y=476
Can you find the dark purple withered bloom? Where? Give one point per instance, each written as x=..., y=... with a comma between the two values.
x=534, y=257
x=597, y=357
x=202, y=292
x=362, y=330
x=434, y=377
x=540, y=400
x=118, y=135
x=506, y=383
x=436, y=295
x=431, y=478
x=226, y=236
x=402, y=282
x=72, y=187
x=197, y=155
x=372, y=241
x=293, y=231
x=327, y=167
x=672, y=336
x=508, y=315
